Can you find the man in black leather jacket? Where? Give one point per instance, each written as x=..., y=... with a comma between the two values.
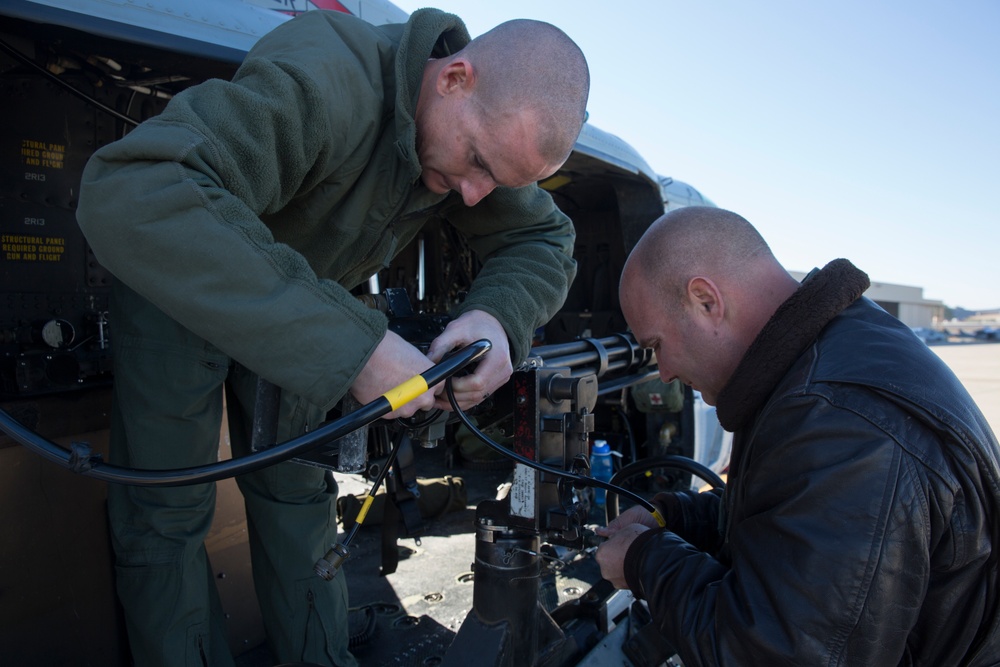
x=860, y=522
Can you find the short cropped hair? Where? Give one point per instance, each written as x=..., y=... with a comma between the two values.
x=696, y=240
x=528, y=64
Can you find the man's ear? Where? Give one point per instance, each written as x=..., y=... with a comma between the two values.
x=706, y=300
x=457, y=75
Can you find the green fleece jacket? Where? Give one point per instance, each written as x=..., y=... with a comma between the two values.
x=248, y=209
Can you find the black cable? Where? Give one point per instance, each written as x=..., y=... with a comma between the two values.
x=674, y=461
x=682, y=463
x=632, y=446
x=365, y=635
x=564, y=474
x=429, y=419
x=81, y=460
x=78, y=93
x=383, y=473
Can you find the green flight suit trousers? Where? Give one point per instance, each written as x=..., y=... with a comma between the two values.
x=167, y=413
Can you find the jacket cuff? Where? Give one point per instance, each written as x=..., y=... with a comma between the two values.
x=633, y=561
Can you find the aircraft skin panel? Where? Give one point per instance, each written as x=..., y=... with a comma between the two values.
x=226, y=29
x=220, y=29
x=607, y=147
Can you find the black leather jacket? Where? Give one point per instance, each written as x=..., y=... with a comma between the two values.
x=859, y=523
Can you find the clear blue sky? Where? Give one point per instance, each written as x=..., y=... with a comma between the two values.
x=857, y=129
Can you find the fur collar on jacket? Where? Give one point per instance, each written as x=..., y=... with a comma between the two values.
x=790, y=331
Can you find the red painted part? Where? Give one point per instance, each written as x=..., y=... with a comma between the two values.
x=331, y=4
x=525, y=416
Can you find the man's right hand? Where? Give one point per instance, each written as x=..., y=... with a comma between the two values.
x=621, y=532
x=393, y=362
x=611, y=555
x=636, y=514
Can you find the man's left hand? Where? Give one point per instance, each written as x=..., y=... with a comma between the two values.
x=492, y=371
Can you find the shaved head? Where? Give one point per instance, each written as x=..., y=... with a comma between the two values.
x=697, y=240
x=697, y=289
x=532, y=65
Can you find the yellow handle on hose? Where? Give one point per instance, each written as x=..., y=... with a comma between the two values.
x=659, y=519
x=406, y=392
x=360, y=518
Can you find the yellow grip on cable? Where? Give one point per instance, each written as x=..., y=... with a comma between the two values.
x=406, y=392
x=659, y=519
x=363, y=512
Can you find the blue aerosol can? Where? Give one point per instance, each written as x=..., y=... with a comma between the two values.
x=600, y=468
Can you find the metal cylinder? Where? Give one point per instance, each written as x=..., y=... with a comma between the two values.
x=507, y=574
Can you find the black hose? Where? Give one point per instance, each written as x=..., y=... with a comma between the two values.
x=364, y=635
x=681, y=463
x=80, y=459
x=563, y=474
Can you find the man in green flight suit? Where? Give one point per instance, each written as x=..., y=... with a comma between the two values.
x=237, y=221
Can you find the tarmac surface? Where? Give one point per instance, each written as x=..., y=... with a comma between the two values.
x=977, y=365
